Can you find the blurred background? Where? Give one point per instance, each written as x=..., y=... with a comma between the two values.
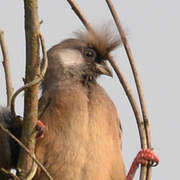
x=153, y=33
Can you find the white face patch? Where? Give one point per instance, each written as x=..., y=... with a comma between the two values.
x=70, y=57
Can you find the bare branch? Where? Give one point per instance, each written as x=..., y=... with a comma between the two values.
x=142, y=132
x=131, y=60
x=26, y=150
x=34, y=82
x=45, y=58
x=28, y=85
x=131, y=100
x=6, y=66
x=28, y=137
x=80, y=14
x=119, y=74
x=137, y=81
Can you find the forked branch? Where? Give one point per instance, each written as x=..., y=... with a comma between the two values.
x=34, y=82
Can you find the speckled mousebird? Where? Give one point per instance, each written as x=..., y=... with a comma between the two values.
x=83, y=136
x=82, y=139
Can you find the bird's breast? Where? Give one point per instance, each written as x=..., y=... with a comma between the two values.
x=82, y=134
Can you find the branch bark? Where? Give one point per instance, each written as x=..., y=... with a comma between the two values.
x=35, y=81
x=9, y=87
x=31, y=94
x=131, y=100
x=125, y=85
x=143, y=126
x=145, y=171
x=80, y=14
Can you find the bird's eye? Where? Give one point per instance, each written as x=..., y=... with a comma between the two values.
x=90, y=53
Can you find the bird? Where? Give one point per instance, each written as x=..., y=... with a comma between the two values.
x=83, y=134
x=82, y=139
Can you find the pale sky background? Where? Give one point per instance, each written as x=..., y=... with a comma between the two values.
x=153, y=29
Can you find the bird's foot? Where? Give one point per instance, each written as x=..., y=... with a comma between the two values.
x=40, y=127
x=144, y=157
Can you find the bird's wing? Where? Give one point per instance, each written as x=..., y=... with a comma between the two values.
x=120, y=130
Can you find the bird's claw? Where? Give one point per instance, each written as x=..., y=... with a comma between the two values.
x=40, y=127
x=146, y=157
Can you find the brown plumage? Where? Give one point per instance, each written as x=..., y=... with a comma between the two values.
x=83, y=137
x=9, y=149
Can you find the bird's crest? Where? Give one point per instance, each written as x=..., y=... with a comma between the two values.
x=103, y=39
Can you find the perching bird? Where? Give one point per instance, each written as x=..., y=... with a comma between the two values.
x=82, y=138
x=83, y=135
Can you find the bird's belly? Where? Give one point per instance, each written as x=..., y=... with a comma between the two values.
x=86, y=154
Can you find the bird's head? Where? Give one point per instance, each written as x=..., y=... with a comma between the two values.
x=81, y=59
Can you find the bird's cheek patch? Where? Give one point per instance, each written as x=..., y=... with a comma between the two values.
x=70, y=57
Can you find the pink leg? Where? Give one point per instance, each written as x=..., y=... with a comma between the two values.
x=40, y=127
x=144, y=157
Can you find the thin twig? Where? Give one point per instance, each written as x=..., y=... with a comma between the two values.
x=115, y=66
x=26, y=150
x=137, y=81
x=120, y=76
x=131, y=100
x=37, y=80
x=83, y=19
x=9, y=174
x=45, y=58
x=132, y=63
x=80, y=14
x=7, y=70
x=32, y=171
x=34, y=82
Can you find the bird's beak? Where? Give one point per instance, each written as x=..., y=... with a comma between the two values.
x=104, y=69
